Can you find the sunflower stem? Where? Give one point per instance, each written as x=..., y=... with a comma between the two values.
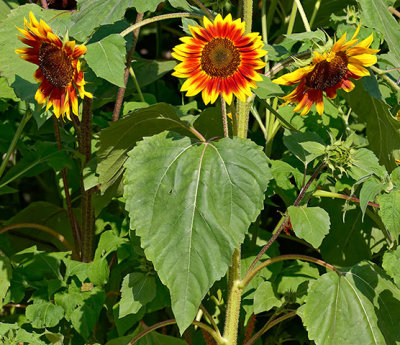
x=206, y=11
x=139, y=91
x=292, y=18
x=315, y=11
x=382, y=74
x=158, y=18
x=129, y=56
x=44, y=4
x=303, y=15
x=14, y=141
x=76, y=231
x=224, y=119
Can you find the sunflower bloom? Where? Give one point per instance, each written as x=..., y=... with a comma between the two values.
x=59, y=72
x=329, y=72
x=219, y=60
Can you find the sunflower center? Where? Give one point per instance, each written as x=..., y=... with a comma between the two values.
x=55, y=65
x=327, y=74
x=220, y=58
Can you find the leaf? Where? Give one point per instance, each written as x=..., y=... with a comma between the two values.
x=191, y=204
x=266, y=88
x=108, y=243
x=182, y=4
x=294, y=142
x=95, y=13
x=209, y=123
x=84, y=317
x=369, y=190
x=364, y=163
x=376, y=15
x=148, y=71
x=122, y=135
x=137, y=290
x=265, y=298
x=98, y=271
x=310, y=223
x=383, y=131
x=391, y=264
x=106, y=59
x=43, y=314
x=389, y=211
x=5, y=276
x=146, y=5
x=359, y=306
x=19, y=73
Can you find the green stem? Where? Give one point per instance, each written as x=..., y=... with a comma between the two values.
x=382, y=74
x=303, y=15
x=327, y=194
x=314, y=14
x=292, y=18
x=252, y=273
x=268, y=326
x=158, y=18
x=14, y=141
x=206, y=11
x=233, y=302
x=139, y=91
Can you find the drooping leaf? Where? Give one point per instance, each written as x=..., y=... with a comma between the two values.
x=107, y=58
x=358, y=306
x=266, y=88
x=148, y=71
x=364, y=163
x=146, y=5
x=122, y=135
x=295, y=143
x=310, y=223
x=5, y=276
x=137, y=290
x=98, y=271
x=191, y=204
x=369, y=190
x=43, y=314
x=94, y=13
x=389, y=211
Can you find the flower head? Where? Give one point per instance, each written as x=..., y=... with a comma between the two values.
x=59, y=72
x=329, y=72
x=219, y=60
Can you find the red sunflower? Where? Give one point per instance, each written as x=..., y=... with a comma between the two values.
x=59, y=72
x=329, y=72
x=219, y=60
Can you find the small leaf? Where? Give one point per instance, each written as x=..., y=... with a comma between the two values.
x=310, y=223
x=108, y=243
x=106, y=59
x=294, y=142
x=191, y=204
x=369, y=190
x=360, y=306
x=391, y=264
x=266, y=88
x=265, y=298
x=98, y=271
x=389, y=211
x=43, y=314
x=364, y=163
x=148, y=71
x=137, y=290
x=5, y=276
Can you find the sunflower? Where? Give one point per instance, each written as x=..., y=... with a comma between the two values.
x=329, y=72
x=219, y=60
x=59, y=72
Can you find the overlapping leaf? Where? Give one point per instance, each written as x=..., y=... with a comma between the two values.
x=191, y=204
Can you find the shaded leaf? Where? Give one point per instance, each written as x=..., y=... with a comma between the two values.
x=107, y=59
x=5, y=276
x=310, y=223
x=192, y=204
x=265, y=298
x=369, y=190
x=389, y=211
x=294, y=142
x=43, y=314
x=148, y=71
x=391, y=264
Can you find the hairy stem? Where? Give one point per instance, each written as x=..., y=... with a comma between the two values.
x=76, y=231
x=129, y=56
x=224, y=119
x=206, y=11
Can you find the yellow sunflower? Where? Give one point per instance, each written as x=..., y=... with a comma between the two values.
x=59, y=72
x=219, y=60
x=329, y=72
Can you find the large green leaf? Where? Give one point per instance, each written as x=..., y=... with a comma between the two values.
x=376, y=15
x=383, y=131
x=148, y=71
x=95, y=13
x=5, y=276
x=310, y=223
x=191, y=204
x=391, y=264
x=107, y=58
x=118, y=139
x=19, y=73
x=359, y=306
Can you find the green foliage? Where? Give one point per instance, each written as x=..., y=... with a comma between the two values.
x=166, y=181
